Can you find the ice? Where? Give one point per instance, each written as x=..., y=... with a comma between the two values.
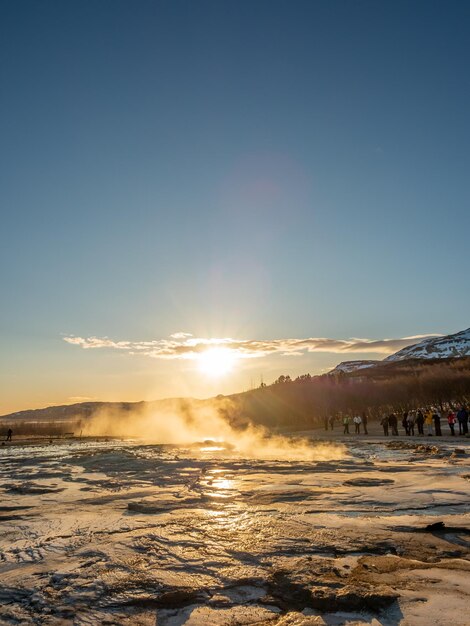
x=123, y=533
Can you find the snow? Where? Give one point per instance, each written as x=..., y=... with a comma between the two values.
x=119, y=532
x=449, y=346
x=351, y=366
x=456, y=345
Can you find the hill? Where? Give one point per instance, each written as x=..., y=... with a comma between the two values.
x=85, y=410
x=387, y=386
x=456, y=345
x=346, y=367
x=443, y=347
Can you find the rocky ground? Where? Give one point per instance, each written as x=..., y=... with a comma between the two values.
x=124, y=533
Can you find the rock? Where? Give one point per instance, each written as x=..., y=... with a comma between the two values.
x=32, y=489
x=400, y=445
x=427, y=449
x=440, y=527
x=144, y=507
x=179, y=598
x=328, y=593
x=368, y=482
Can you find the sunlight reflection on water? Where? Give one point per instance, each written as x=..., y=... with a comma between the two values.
x=223, y=483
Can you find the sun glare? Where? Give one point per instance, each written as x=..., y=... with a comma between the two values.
x=216, y=362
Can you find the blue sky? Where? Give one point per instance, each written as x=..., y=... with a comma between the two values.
x=255, y=169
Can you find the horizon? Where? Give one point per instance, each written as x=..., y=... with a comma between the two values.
x=196, y=196
x=253, y=384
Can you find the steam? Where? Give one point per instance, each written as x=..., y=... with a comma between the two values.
x=190, y=424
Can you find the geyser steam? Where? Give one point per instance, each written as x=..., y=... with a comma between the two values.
x=186, y=424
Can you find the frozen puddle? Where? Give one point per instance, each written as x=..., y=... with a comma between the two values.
x=122, y=533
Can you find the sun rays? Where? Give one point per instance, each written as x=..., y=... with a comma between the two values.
x=217, y=362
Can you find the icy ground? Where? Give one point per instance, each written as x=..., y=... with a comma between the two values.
x=124, y=533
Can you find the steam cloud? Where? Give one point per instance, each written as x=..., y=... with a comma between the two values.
x=190, y=424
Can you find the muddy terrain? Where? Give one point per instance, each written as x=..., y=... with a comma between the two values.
x=124, y=533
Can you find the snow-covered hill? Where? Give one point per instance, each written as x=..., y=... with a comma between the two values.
x=443, y=347
x=345, y=367
x=456, y=345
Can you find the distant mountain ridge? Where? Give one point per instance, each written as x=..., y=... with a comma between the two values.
x=84, y=410
x=456, y=345
x=449, y=346
x=346, y=367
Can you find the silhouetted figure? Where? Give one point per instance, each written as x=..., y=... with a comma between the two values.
x=346, y=425
x=332, y=422
x=420, y=422
x=393, y=423
x=462, y=418
x=357, y=424
x=437, y=423
x=9, y=434
x=364, y=423
x=411, y=423
x=404, y=422
x=325, y=422
x=384, y=422
x=451, y=422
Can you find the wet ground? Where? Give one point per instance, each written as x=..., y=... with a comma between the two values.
x=123, y=533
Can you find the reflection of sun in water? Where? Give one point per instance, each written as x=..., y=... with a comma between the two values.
x=223, y=483
x=216, y=362
x=221, y=488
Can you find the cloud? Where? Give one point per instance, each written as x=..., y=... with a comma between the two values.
x=80, y=399
x=180, y=335
x=185, y=346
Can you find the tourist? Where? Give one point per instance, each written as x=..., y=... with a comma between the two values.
x=462, y=418
x=420, y=422
x=384, y=422
x=436, y=416
x=332, y=422
x=404, y=422
x=393, y=422
x=428, y=422
x=364, y=423
x=411, y=423
x=325, y=422
x=357, y=424
x=451, y=422
x=9, y=434
x=346, y=421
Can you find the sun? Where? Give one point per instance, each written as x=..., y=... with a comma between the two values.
x=216, y=362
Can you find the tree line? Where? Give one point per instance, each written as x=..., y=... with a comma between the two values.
x=392, y=387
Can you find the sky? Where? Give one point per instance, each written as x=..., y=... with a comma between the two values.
x=291, y=174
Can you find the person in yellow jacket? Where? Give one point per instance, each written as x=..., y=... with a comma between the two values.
x=428, y=421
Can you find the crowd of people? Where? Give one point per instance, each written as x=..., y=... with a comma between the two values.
x=418, y=422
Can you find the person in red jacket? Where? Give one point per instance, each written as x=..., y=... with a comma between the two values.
x=451, y=421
